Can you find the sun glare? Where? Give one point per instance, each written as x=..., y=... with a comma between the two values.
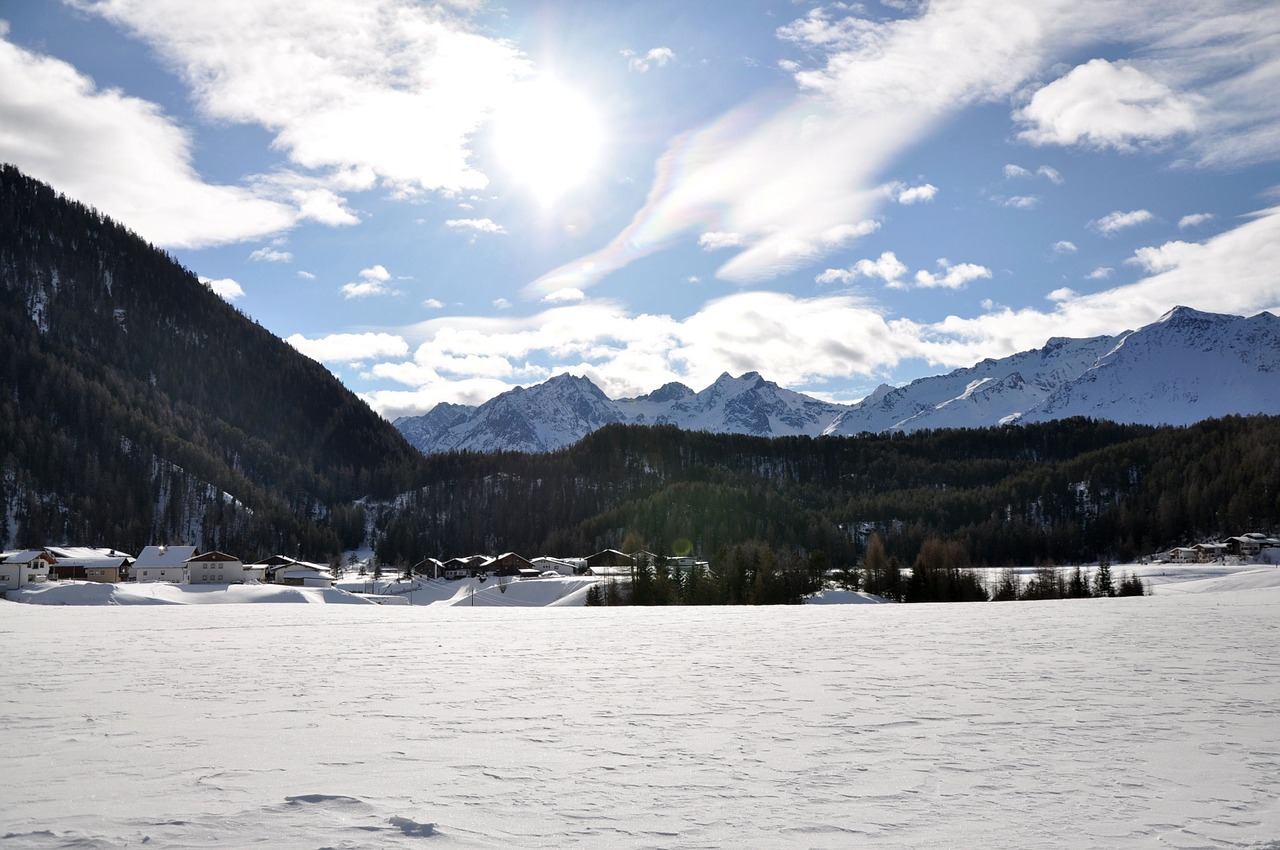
x=548, y=138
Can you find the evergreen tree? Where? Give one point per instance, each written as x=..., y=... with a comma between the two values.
x=1102, y=580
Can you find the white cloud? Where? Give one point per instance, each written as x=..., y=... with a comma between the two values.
x=316, y=197
x=915, y=194
x=502, y=303
x=306, y=275
x=1116, y=221
x=227, y=288
x=564, y=296
x=121, y=155
x=477, y=225
x=955, y=276
x=1017, y=172
x=1021, y=202
x=1194, y=220
x=473, y=391
x=887, y=267
x=1100, y=273
x=1168, y=256
x=373, y=282
x=788, y=339
x=796, y=341
x=1226, y=53
x=780, y=176
x=1106, y=105
x=393, y=87
x=1064, y=247
x=267, y=254
x=433, y=304
x=350, y=348
x=1051, y=174
x=716, y=240
x=657, y=57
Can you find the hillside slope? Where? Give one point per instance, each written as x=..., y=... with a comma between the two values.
x=137, y=406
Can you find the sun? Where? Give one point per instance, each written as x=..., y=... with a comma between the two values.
x=547, y=137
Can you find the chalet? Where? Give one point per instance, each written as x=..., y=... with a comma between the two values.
x=82, y=563
x=281, y=569
x=511, y=564
x=685, y=564
x=1249, y=545
x=1207, y=553
x=472, y=565
x=429, y=567
x=214, y=568
x=605, y=571
x=610, y=558
x=163, y=563
x=30, y=566
x=305, y=575
x=1183, y=555
x=563, y=566
x=644, y=557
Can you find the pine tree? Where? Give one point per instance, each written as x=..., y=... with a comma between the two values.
x=1102, y=581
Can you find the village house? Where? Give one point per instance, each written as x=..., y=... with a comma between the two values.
x=511, y=564
x=429, y=567
x=281, y=569
x=1249, y=545
x=82, y=563
x=468, y=566
x=163, y=563
x=30, y=566
x=563, y=566
x=1207, y=553
x=214, y=568
x=609, y=558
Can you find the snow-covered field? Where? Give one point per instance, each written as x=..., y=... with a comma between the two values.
x=1151, y=722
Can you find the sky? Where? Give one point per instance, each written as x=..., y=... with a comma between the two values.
x=442, y=201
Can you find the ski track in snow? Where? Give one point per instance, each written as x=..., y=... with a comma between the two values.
x=1112, y=723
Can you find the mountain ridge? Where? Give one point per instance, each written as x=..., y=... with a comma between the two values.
x=137, y=406
x=1186, y=366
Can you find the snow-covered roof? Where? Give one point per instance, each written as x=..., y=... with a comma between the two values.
x=165, y=556
x=303, y=571
x=26, y=556
x=300, y=568
x=87, y=554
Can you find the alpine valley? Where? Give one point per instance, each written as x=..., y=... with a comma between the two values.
x=1183, y=368
x=138, y=408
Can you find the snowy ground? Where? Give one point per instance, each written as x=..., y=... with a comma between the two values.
x=1107, y=723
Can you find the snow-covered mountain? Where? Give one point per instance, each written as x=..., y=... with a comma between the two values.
x=1185, y=367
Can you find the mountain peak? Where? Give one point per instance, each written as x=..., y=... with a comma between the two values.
x=1188, y=365
x=1182, y=314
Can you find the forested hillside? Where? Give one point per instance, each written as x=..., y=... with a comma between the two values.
x=1068, y=491
x=136, y=406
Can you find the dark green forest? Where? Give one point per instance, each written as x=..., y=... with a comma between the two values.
x=137, y=407
x=1064, y=492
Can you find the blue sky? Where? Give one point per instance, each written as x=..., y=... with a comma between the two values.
x=441, y=201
